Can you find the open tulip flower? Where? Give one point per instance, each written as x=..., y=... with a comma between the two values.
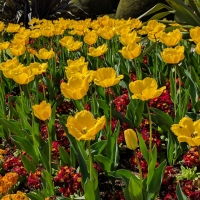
x=76, y=88
x=99, y=51
x=42, y=111
x=106, y=77
x=145, y=89
x=45, y=54
x=187, y=131
x=83, y=126
x=173, y=55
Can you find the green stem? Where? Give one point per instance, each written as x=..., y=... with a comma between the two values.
x=90, y=157
x=150, y=127
x=137, y=70
x=179, y=83
x=140, y=170
x=110, y=103
x=175, y=91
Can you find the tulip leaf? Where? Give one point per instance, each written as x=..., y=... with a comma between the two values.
x=156, y=181
x=35, y=196
x=173, y=88
x=28, y=165
x=143, y=147
x=150, y=48
x=179, y=193
x=89, y=190
x=103, y=105
x=135, y=191
x=104, y=162
x=47, y=182
x=152, y=164
x=26, y=146
x=64, y=157
x=98, y=147
x=162, y=119
x=194, y=7
x=51, y=127
x=170, y=148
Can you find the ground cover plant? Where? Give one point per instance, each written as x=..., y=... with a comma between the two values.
x=102, y=109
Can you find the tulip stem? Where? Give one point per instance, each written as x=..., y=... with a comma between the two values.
x=150, y=127
x=179, y=81
x=110, y=103
x=140, y=170
x=90, y=157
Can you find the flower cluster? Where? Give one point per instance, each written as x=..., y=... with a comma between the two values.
x=18, y=196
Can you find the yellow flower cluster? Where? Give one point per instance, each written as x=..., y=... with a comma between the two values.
x=2, y=152
x=7, y=181
x=18, y=196
x=19, y=73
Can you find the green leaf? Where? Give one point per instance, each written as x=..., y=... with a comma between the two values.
x=170, y=148
x=98, y=147
x=143, y=147
x=103, y=105
x=48, y=186
x=151, y=165
x=35, y=196
x=26, y=146
x=29, y=166
x=135, y=192
x=44, y=155
x=90, y=193
x=179, y=193
x=64, y=157
x=104, y=162
x=156, y=181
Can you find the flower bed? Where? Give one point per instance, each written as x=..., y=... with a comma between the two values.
x=102, y=109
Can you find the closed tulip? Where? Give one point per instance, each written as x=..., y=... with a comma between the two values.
x=173, y=55
x=106, y=77
x=187, y=131
x=197, y=48
x=76, y=88
x=171, y=38
x=42, y=111
x=83, y=126
x=99, y=51
x=145, y=89
x=131, y=139
x=131, y=51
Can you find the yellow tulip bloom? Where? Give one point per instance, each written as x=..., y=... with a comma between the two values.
x=17, y=50
x=90, y=37
x=171, y=38
x=1, y=26
x=129, y=38
x=197, y=48
x=173, y=55
x=42, y=111
x=4, y=45
x=195, y=34
x=83, y=126
x=131, y=139
x=20, y=39
x=131, y=51
x=38, y=68
x=106, y=32
x=145, y=89
x=99, y=51
x=45, y=54
x=187, y=131
x=12, y=28
x=76, y=88
x=106, y=77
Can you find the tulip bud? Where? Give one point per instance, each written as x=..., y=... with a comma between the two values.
x=131, y=139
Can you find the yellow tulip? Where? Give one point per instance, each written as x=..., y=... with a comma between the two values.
x=131, y=51
x=18, y=196
x=8, y=66
x=4, y=45
x=106, y=77
x=22, y=75
x=90, y=37
x=129, y=38
x=83, y=126
x=17, y=50
x=195, y=34
x=66, y=41
x=173, y=55
x=38, y=68
x=76, y=66
x=106, y=32
x=131, y=139
x=12, y=28
x=187, y=131
x=197, y=48
x=171, y=38
x=20, y=39
x=2, y=25
x=35, y=33
x=145, y=89
x=99, y=51
x=75, y=46
x=45, y=54
x=42, y=111
x=48, y=30
x=76, y=88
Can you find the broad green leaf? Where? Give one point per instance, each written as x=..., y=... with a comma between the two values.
x=29, y=166
x=48, y=186
x=90, y=193
x=179, y=193
x=135, y=191
x=98, y=147
x=35, y=196
x=64, y=157
x=104, y=162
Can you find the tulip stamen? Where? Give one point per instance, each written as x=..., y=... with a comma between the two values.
x=84, y=130
x=194, y=134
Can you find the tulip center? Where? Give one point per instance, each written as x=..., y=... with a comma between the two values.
x=84, y=130
x=194, y=134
